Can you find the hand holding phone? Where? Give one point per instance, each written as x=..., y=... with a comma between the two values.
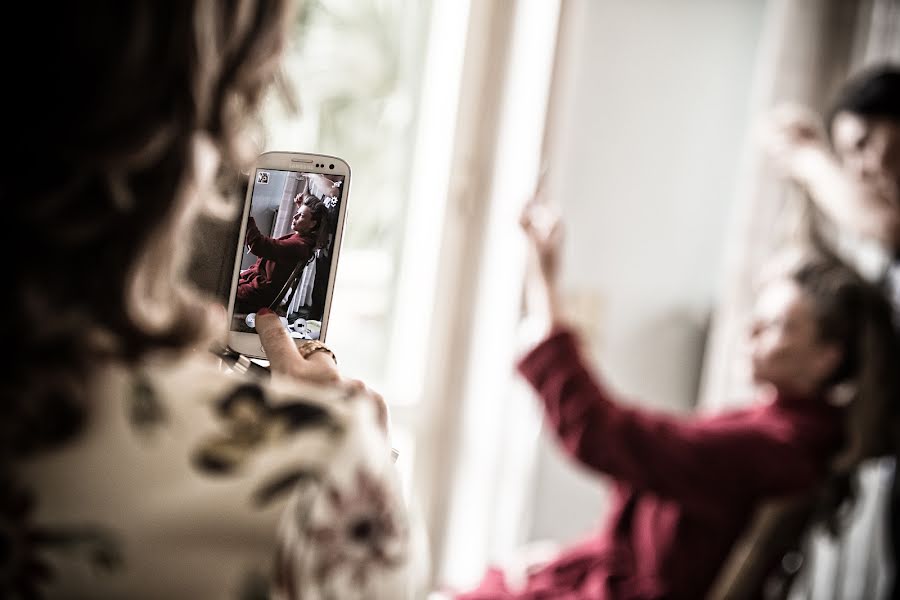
x=284, y=357
x=288, y=247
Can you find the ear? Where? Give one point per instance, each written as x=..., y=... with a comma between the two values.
x=828, y=360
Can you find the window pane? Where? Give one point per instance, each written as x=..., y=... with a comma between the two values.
x=355, y=66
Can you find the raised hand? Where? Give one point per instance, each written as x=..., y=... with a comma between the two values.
x=790, y=135
x=542, y=226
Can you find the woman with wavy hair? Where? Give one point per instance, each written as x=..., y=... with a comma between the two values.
x=133, y=464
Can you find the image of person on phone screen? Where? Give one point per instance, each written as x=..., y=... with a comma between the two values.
x=260, y=284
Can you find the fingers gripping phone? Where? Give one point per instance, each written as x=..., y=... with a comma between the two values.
x=288, y=247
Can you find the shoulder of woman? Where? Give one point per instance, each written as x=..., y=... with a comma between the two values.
x=229, y=424
x=197, y=380
x=195, y=387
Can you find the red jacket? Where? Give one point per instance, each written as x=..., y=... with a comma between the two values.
x=260, y=283
x=684, y=490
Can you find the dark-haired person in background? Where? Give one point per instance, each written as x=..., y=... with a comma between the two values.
x=849, y=165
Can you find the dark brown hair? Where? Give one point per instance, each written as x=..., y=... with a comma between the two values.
x=115, y=129
x=316, y=206
x=856, y=315
x=320, y=214
x=873, y=92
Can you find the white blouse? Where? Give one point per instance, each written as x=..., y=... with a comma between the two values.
x=189, y=481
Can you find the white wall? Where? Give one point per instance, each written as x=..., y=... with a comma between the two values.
x=650, y=121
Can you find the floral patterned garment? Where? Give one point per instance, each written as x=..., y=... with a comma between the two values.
x=191, y=482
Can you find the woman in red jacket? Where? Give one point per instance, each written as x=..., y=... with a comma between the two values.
x=259, y=285
x=684, y=490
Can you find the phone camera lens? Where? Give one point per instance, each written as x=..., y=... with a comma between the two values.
x=331, y=166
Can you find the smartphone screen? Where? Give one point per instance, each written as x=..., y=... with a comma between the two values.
x=289, y=250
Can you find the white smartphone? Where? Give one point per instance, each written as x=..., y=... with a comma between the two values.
x=289, y=242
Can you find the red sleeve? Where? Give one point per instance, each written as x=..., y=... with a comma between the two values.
x=290, y=249
x=693, y=461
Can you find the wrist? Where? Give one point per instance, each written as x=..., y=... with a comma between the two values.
x=810, y=160
x=554, y=302
x=555, y=314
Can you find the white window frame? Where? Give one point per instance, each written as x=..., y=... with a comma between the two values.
x=482, y=119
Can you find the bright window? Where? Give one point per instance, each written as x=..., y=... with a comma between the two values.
x=355, y=68
x=418, y=96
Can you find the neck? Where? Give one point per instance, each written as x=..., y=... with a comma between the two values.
x=796, y=393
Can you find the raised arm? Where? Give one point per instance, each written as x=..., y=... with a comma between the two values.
x=696, y=461
x=291, y=249
x=793, y=138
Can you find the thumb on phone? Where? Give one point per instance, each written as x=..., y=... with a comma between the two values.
x=285, y=358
